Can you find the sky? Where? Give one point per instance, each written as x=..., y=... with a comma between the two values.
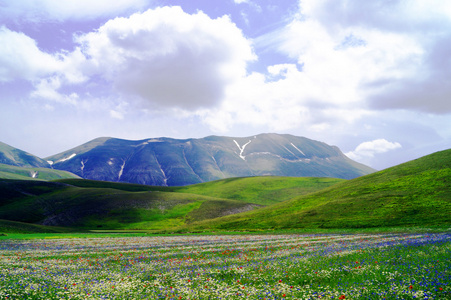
x=371, y=77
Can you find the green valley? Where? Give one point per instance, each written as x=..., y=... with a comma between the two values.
x=86, y=204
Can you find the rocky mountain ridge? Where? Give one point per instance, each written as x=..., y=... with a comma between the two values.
x=175, y=162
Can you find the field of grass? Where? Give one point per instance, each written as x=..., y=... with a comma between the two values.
x=106, y=208
x=88, y=204
x=263, y=190
x=327, y=266
x=8, y=227
x=417, y=193
x=25, y=173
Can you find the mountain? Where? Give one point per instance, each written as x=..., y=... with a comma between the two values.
x=27, y=173
x=16, y=157
x=416, y=193
x=86, y=204
x=174, y=162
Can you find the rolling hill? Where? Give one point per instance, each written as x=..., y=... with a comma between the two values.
x=416, y=193
x=37, y=173
x=172, y=162
x=263, y=190
x=86, y=204
x=16, y=157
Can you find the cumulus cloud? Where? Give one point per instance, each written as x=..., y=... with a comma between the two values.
x=161, y=58
x=43, y=10
x=168, y=57
x=369, y=149
x=20, y=58
x=48, y=89
x=407, y=49
x=353, y=59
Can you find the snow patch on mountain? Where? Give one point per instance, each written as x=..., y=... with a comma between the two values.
x=67, y=158
x=121, y=171
x=298, y=149
x=242, y=149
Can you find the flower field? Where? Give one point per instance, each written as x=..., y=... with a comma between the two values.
x=359, y=266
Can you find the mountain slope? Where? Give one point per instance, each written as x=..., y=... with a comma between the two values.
x=27, y=173
x=415, y=193
x=172, y=162
x=16, y=157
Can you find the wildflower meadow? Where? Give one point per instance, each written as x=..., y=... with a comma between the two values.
x=327, y=266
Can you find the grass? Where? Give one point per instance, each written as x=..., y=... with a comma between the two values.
x=263, y=190
x=327, y=266
x=107, y=208
x=24, y=173
x=11, y=229
x=88, y=204
x=417, y=193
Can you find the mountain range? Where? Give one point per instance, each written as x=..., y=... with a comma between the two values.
x=178, y=162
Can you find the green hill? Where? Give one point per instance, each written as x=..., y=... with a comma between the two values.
x=263, y=190
x=29, y=173
x=416, y=193
x=16, y=157
x=87, y=204
x=7, y=227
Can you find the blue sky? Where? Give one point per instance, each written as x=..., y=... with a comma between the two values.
x=372, y=78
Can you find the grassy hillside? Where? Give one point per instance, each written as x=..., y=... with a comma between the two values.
x=264, y=190
x=58, y=204
x=7, y=227
x=129, y=187
x=88, y=204
x=16, y=157
x=417, y=193
x=27, y=173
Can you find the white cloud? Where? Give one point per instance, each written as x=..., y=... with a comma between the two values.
x=406, y=49
x=367, y=150
x=42, y=10
x=168, y=57
x=116, y=115
x=353, y=59
x=48, y=89
x=20, y=58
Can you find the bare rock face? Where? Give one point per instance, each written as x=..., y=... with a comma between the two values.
x=175, y=162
